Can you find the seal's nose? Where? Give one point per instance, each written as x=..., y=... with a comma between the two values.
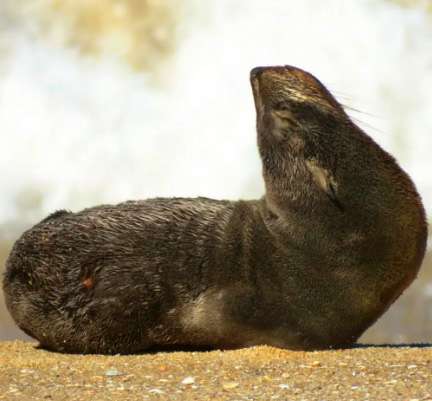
x=255, y=72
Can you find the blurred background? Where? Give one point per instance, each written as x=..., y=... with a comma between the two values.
x=107, y=100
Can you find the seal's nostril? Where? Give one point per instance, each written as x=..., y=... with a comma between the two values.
x=255, y=72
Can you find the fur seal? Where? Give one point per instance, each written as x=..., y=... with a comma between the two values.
x=338, y=236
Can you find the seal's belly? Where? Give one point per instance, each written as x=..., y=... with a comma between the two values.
x=214, y=319
x=233, y=317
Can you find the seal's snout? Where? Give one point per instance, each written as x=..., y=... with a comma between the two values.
x=254, y=80
x=270, y=74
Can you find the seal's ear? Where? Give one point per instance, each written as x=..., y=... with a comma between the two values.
x=325, y=181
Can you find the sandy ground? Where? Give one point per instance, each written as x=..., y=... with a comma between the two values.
x=260, y=373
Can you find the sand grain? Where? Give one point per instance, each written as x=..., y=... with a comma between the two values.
x=260, y=373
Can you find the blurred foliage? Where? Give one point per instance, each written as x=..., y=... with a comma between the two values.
x=142, y=31
x=5, y=247
x=145, y=33
x=425, y=4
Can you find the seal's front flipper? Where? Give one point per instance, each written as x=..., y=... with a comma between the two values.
x=325, y=181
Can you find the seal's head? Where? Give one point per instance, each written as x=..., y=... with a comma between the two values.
x=288, y=98
x=300, y=127
x=283, y=85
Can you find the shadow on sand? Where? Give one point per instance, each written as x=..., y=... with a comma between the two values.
x=190, y=348
x=408, y=345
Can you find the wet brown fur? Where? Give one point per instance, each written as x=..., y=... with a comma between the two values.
x=338, y=236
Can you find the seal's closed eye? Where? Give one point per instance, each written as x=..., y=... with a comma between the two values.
x=281, y=106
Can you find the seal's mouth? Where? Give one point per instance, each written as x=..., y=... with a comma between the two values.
x=256, y=83
x=254, y=80
x=255, y=72
x=257, y=79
